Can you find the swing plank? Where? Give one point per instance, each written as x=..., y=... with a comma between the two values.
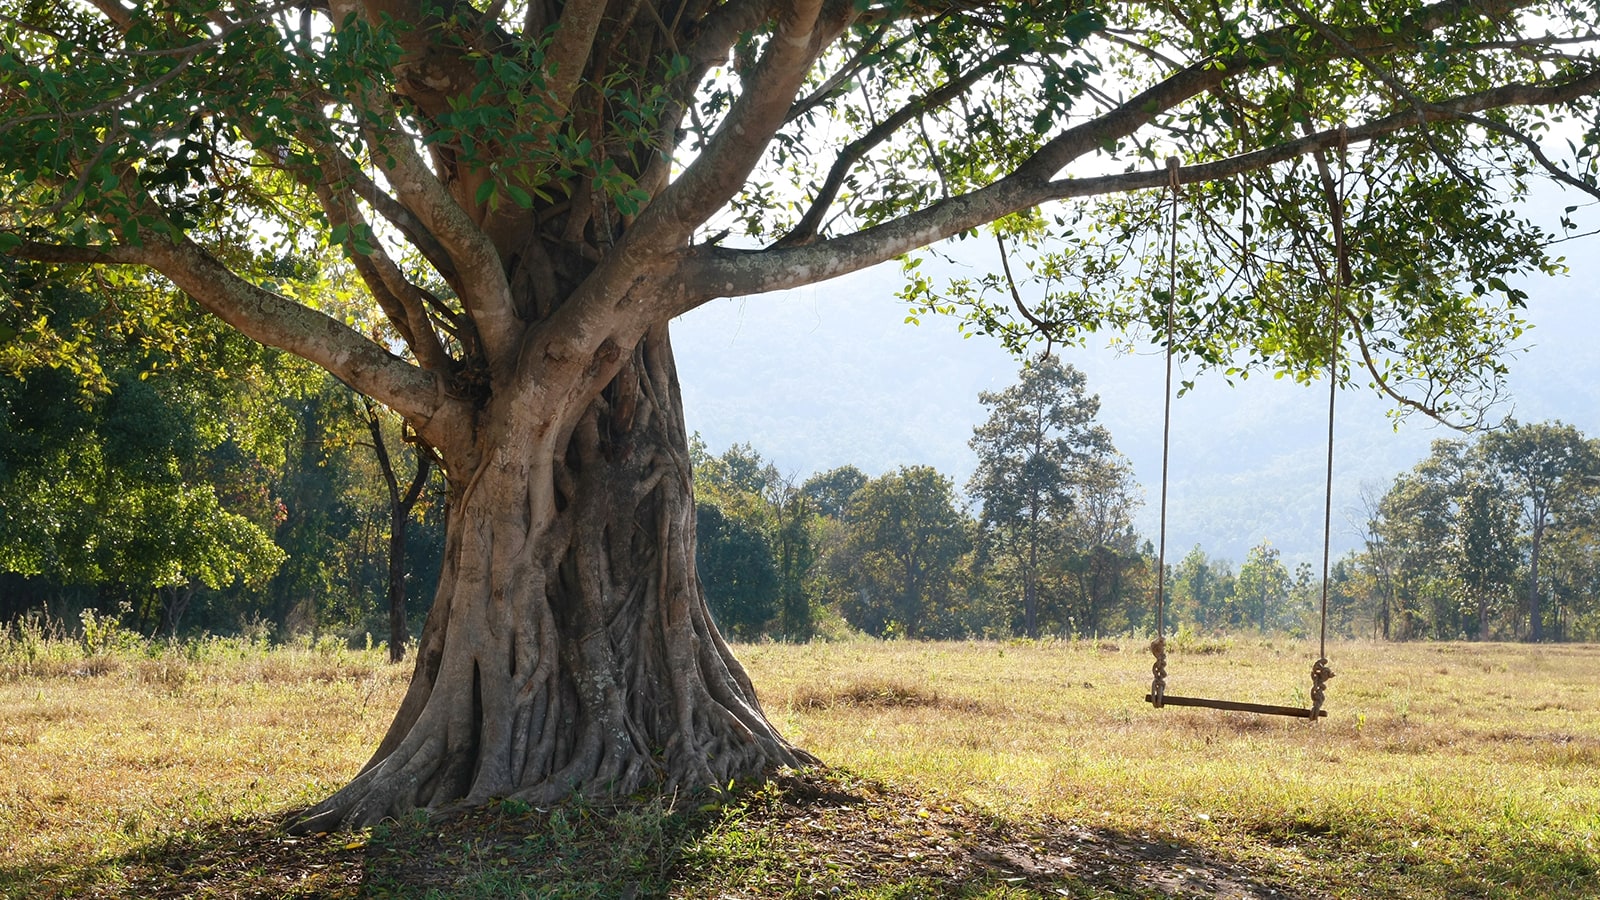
x=1265, y=709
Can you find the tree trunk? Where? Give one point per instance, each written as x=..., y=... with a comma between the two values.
x=399, y=632
x=569, y=648
x=1535, y=614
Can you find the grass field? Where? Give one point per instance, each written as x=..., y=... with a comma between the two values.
x=969, y=770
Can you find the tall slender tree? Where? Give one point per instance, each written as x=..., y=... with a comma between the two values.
x=529, y=192
x=1540, y=461
x=401, y=502
x=1039, y=446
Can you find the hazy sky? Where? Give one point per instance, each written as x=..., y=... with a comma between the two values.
x=831, y=375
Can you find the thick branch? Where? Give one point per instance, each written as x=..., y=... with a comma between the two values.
x=741, y=140
x=116, y=12
x=401, y=301
x=569, y=51
x=485, y=292
x=345, y=169
x=279, y=322
x=714, y=36
x=719, y=271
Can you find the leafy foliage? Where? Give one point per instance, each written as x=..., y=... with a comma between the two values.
x=904, y=543
x=1458, y=546
x=1044, y=467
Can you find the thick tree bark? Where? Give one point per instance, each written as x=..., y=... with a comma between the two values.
x=570, y=649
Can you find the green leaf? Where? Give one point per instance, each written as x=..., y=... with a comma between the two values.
x=519, y=196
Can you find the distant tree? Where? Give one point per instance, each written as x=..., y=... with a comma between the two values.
x=1573, y=571
x=1443, y=546
x=737, y=570
x=1203, y=591
x=904, y=545
x=1039, y=444
x=831, y=491
x=1484, y=546
x=739, y=494
x=1263, y=586
x=1415, y=524
x=1375, y=567
x=1103, y=541
x=796, y=554
x=401, y=502
x=740, y=471
x=1540, y=463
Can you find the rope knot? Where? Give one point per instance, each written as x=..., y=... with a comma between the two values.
x=1321, y=673
x=1158, y=671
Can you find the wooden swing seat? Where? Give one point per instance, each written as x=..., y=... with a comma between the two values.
x=1265, y=709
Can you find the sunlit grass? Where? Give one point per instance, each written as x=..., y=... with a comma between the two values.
x=1443, y=770
x=103, y=754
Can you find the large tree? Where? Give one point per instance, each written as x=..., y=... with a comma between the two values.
x=529, y=192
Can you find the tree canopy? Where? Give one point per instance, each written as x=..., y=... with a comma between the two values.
x=1491, y=538
x=427, y=138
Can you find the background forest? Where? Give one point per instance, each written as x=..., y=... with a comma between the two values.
x=244, y=491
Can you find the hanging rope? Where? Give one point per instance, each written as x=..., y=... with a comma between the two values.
x=1158, y=647
x=1321, y=672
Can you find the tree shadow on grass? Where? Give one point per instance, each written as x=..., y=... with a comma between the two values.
x=817, y=833
x=245, y=858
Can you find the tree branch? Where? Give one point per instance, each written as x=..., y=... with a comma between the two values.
x=401, y=301
x=807, y=228
x=398, y=214
x=569, y=51
x=485, y=292
x=733, y=152
x=720, y=271
x=276, y=321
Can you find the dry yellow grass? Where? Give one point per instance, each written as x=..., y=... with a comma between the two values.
x=1443, y=769
x=101, y=755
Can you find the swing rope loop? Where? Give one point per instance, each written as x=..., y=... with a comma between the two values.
x=1158, y=647
x=1321, y=671
x=1334, y=193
